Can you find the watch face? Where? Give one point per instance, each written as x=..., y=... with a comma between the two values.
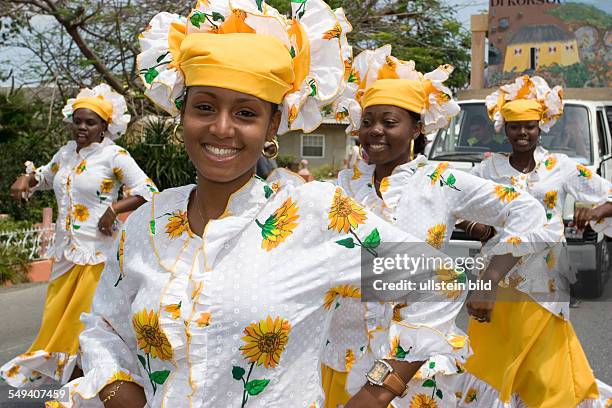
x=378, y=372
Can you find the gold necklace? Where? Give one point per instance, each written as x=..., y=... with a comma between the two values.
x=199, y=210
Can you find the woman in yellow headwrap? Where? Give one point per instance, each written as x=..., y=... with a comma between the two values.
x=529, y=355
x=390, y=105
x=223, y=292
x=86, y=175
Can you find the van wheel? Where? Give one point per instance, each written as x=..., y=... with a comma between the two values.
x=592, y=282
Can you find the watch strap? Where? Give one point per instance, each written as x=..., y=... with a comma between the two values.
x=395, y=383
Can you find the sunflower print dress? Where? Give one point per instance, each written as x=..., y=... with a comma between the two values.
x=542, y=362
x=427, y=200
x=85, y=184
x=238, y=317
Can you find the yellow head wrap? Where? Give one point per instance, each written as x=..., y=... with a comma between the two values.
x=522, y=109
x=403, y=93
x=249, y=47
x=527, y=98
x=98, y=104
x=257, y=65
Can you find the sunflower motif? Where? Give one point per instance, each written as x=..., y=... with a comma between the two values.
x=354, y=77
x=458, y=395
x=279, y=225
x=345, y=213
x=178, y=224
x=340, y=290
x=356, y=173
x=350, y=359
x=550, y=162
x=470, y=396
x=384, y=185
x=120, y=250
x=458, y=342
x=123, y=376
x=118, y=174
x=506, y=193
x=67, y=223
x=333, y=33
x=551, y=259
x=584, y=172
x=204, y=319
x=106, y=186
x=341, y=115
x=174, y=309
x=80, y=212
x=54, y=168
x=435, y=235
x=513, y=181
x=81, y=167
x=293, y=112
x=437, y=173
x=149, y=335
x=397, y=312
x=54, y=404
x=514, y=240
x=13, y=371
x=609, y=403
x=265, y=341
x=550, y=199
x=423, y=401
x=122, y=152
x=449, y=276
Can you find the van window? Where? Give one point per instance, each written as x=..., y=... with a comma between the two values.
x=601, y=134
x=471, y=134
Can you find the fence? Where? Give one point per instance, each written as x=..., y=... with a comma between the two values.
x=33, y=241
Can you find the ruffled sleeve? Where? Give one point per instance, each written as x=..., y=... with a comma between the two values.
x=520, y=220
x=45, y=174
x=127, y=172
x=588, y=187
x=107, y=344
x=425, y=329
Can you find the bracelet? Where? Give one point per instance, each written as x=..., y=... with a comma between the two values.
x=113, y=210
x=112, y=393
x=470, y=227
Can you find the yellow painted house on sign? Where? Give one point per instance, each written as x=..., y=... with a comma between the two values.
x=537, y=46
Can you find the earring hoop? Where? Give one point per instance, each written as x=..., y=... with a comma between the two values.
x=273, y=155
x=411, y=149
x=174, y=133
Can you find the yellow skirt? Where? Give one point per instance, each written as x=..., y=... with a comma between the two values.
x=526, y=350
x=53, y=353
x=334, y=387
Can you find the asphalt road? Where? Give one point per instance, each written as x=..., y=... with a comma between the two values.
x=21, y=309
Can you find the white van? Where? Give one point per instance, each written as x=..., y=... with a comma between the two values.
x=583, y=133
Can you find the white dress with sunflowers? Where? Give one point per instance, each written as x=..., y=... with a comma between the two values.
x=238, y=317
x=427, y=200
x=85, y=184
x=554, y=177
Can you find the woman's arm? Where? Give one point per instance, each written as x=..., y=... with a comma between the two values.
x=105, y=225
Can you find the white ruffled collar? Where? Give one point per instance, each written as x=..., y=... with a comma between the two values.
x=92, y=148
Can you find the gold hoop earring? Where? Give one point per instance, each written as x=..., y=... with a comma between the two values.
x=411, y=149
x=174, y=133
x=276, y=149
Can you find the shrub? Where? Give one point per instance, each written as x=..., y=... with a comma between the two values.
x=286, y=160
x=325, y=172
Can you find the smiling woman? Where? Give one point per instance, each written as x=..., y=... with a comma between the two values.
x=241, y=291
x=86, y=175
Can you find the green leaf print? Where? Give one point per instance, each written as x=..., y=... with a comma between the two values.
x=439, y=394
x=400, y=352
x=429, y=383
x=161, y=57
x=346, y=242
x=313, y=87
x=216, y=16
x=292, y=52
x=152, y=226
x=432, y=364
x=238, y=372
x=76, y=227
x=159, y=377
x=150, y=75
x=254, y=387
x=142, y=361
x=197, y=18
x=451, y=180
x=372, y=240
x=298, y=1
x=178, y=102
x=259, y=4
x=268, y=191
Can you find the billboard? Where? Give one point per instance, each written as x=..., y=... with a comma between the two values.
x=567, y=42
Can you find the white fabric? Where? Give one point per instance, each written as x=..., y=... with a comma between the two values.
x=415, y=199
x=229, y=275
x=77, y=180
x=554, y=177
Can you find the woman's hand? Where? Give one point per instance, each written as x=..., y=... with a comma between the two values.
x=126, y=395
x=105, y=225
x=20, y=190
x=368, y=397
x=482, y=232
x=480, y=304
x=582, y=215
